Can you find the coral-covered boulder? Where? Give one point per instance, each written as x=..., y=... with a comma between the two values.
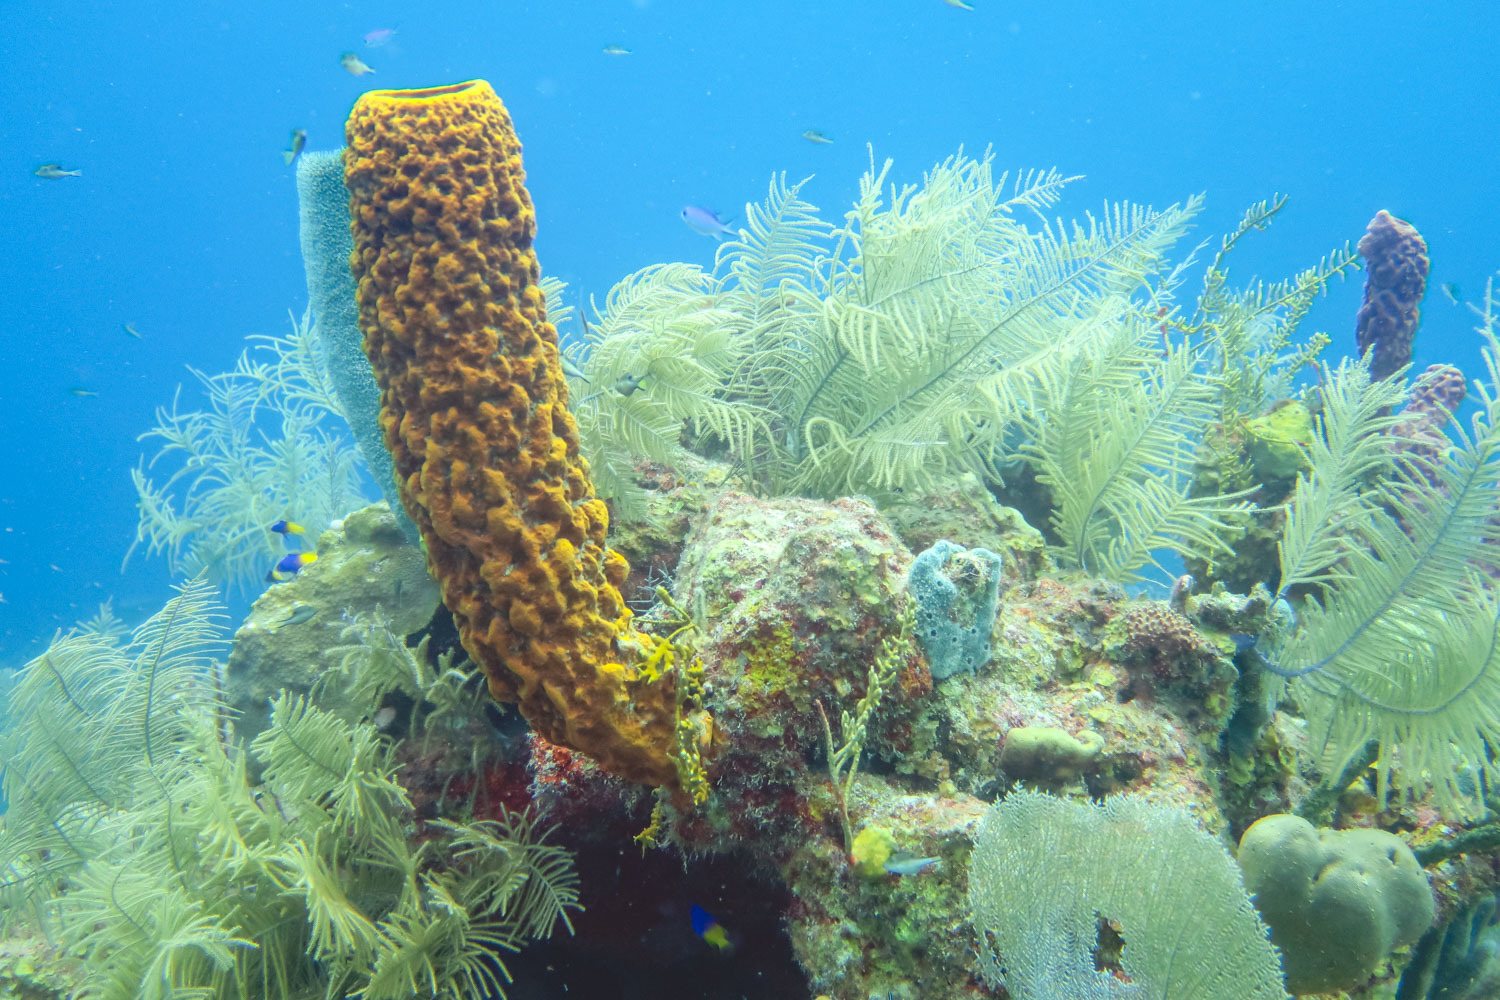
x=966, y=513
x=795, y=597
x=364, y=563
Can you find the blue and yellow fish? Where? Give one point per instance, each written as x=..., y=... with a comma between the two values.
x=285, y=527
x=288, y=566
x=707, y=926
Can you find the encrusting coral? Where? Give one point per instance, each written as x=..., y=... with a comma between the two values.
x=474, y=408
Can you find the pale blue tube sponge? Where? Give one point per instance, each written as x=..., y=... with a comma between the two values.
x=326, y=247
x=957, y=592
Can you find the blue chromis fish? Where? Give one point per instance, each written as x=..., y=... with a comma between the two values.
x=299, y=140
x=616, y=50
x=706, y=222
x=288, y=566
x=1450, y=290
x=959, y=4
x=817, y=137
x=354, y=65
x=898, y=865
x=706, y=926
x=380, y=36
x=130, y=330
x=285, y=527
x=55, y=172
x=83, y=393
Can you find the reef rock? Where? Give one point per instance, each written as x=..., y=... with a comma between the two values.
x=288, y=640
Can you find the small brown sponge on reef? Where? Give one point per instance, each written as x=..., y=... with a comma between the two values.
x=1396, y=256
x=474, y=408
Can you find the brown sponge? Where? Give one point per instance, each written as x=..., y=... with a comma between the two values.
x=474, y=408
x=1396, y=257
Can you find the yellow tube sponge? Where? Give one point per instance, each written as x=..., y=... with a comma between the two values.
x=474, y=408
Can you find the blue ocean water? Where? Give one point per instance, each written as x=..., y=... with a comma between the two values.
x=183, y=222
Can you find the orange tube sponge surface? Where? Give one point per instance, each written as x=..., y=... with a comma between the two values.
x=474, y=408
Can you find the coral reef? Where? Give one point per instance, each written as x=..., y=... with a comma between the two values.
x=1337, y=901
x=998, y=767
x=965, y=513
x=1396, y=262
x=1168, y=658
x=290, y=639
x=474, y=408
x=32, y=969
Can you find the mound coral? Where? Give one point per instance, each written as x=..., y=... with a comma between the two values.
x=474, y=409
x=1337, y=901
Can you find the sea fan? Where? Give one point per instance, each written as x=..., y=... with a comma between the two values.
x=267, y=447
x=1114, y=439
x=872, y=357
x=1401, y=645
x=97, y=720
x=133, y=821
x=1046, y=873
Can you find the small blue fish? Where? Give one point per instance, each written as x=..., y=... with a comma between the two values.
x=295, y=147
x=911, y=866
x=354, y=65
x=706, y=926
x=285, y=527
x=706, y=222
x=289, y=565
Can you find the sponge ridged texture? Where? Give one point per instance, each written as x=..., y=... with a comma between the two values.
x=1396, y=257
x=324, y=205
x=474, y=408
